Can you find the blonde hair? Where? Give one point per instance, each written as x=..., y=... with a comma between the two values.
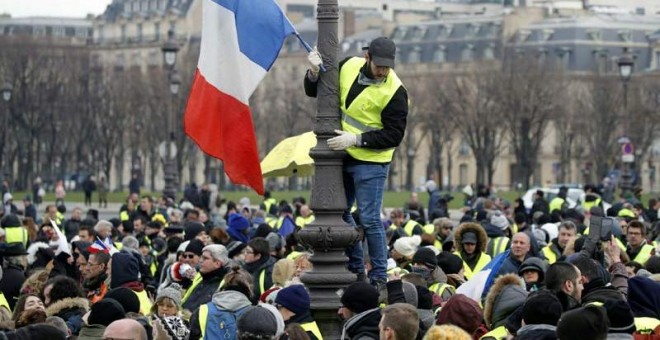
x=283, y=271
x=446, y=332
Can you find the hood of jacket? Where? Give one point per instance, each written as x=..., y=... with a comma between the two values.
x=363, y=325
x=230, y=300
x=67, y=303
x=644, y=297
x=505, y=296
x=493, y=231
x=482, y=237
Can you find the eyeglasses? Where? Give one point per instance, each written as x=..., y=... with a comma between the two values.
x=188, y=256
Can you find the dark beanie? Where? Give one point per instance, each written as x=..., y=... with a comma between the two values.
x=125, y=268
x=424, y=298
x=106, y=312
x=192, y=229
x=126, y=298
x=425, y=256
x=294, y=298
x=588, y=322
x=195, y=246
x=360, y=297
x=449, y=263
x=542, y=308
x=234, y=248
x=257, y=321
x=37, y=331
x=620, y=316
x=461, y=311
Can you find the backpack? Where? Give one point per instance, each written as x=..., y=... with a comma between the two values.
x=221, y=324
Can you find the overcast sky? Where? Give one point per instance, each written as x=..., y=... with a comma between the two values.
x=57, y=8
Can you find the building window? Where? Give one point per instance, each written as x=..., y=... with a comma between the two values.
x=123, y=33
x=139, y=32
x=468, y=53
x=463, y=174
x=464, y=148
x=157, y=31
x=153, y=58
x=594, y=35
x=657, y=60
x=440, y=55
x=120, y=61
x=543, y=55
x=399, y=33
x=39, y=31
x=489, y=52
x=625, y=36
x=136, y=59
x=564, y=56
x=173, y=26
x=58, y=31
x=601, y=61
x=415, y=55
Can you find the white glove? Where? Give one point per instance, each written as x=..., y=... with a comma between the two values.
x=315, y=61
x=343, y=141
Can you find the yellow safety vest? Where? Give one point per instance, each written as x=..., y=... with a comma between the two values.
x=646, y=325
x=196, y=281
x=409, y=227
x=123, y=216
x=363, y=114
x=626, y=213
x=644, y=254
x=441, y=288
x=312, y=327
x=550, y=254
x=3, y=301
x=484, y=260
x=499, y=245
x=588, y=205
x=145, y=303
x=303, y=221
x=556, y=204
x=499, y=333
x=202, y=317
x=269, y=203
x=271, y=221
x=16, y=235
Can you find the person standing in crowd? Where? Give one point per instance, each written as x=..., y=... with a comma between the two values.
x=555, y=250
x=88, y=186
x=95, y=283
x=520, y=246
x=13, y=272
x=399, y=322
x=638, y=249
x=471, y=242
x=360, y=312
x=369, y=137
x=102, y=187
x=259, y=264
x=213, y=266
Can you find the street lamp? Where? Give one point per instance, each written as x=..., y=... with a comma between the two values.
x=170, y=49
x=6, y=92
x=6, y=96
x=626, y=65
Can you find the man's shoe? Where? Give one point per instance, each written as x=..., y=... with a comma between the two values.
x=361, y=277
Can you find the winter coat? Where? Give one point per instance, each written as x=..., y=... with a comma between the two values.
x=206, y=289
x=482, y=237
x=255, y=270
x=505, y=296
x=228, y=300
x=644, y=297
x=10, y=285
x=510, y=265
x=71, y=310
x=363, y=326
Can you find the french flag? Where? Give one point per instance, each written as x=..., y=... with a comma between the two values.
x=240, y=41
x=478, y=286
x=101, y=247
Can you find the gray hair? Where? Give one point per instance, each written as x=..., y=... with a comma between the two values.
x=58, y=323
x=130, y=242
x=218, y=252
x=102, y=224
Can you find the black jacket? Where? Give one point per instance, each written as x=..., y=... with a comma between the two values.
x=205, y=289
x=363, y=326
x=540, y=205
x=393, y=116
x=10, y=285
x=255, y=270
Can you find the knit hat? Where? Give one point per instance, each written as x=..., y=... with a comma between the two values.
x=237, y=222
x=407, y=246
x=588, y=322
x=173, y=292
x=499, y=220
x=469, y=237
x=234, y=248
x=449, y=262
x=424, y=298
x=461, y=311
x=360, y=297
x=192, y=229
x=125, y=268
x=542, y=308
x=275, y=241
x=38, y=331
x=257, y=321
x=106, y=312
x=278, y=318
x=195, y=246
x=425, y=256
x=409, y=293
x=170, y=327
x=294, y=298
x=126, y=299
x=620, y=316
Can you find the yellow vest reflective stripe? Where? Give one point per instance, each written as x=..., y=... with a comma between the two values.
x=262, y=281
x=16, y=235
x=409, y=227
x=3, y=301
x=196, y=281
x=428, y=229
x=363, y=114
x=514, y=228
x=499, y=245
x=153, y=267
x=271, y=221
x=123, y=216
x=626, y=213
x=303, y=221
x=556, y=204
x=497, y=333
x=588, y=205
x=644, y=254
x=145, y=303
x=484, y=260
x=437, y=245
x=441, y=288
x=202, y=317
x=646, y=325
x=312, y=327
x=549, y=254
x=268, y=204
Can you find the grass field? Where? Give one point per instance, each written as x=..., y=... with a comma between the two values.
x=390, y=199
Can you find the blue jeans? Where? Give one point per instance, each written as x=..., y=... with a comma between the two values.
x=365, y=183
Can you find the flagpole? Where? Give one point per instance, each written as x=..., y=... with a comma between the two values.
x=328, y=235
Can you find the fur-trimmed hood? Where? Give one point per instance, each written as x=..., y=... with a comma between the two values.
x=68, y=303
x=505, y=296
x=33, y=249
x=482, y=238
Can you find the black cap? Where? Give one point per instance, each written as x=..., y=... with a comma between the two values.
x=469, y=237
x=13, y=249
x=382, y=51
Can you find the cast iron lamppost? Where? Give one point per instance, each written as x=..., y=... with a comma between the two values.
x=626, y=65
x=7, y=90
x=170, y=49
x=328, y=235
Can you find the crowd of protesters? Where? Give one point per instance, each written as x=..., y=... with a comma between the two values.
x=203, y=268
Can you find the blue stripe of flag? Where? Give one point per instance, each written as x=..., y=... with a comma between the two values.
x=261, y=28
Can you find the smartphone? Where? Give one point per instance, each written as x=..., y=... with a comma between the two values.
x=600, y=228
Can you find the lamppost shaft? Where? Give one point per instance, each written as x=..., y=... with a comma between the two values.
x=328, y=235
x=626, y=176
